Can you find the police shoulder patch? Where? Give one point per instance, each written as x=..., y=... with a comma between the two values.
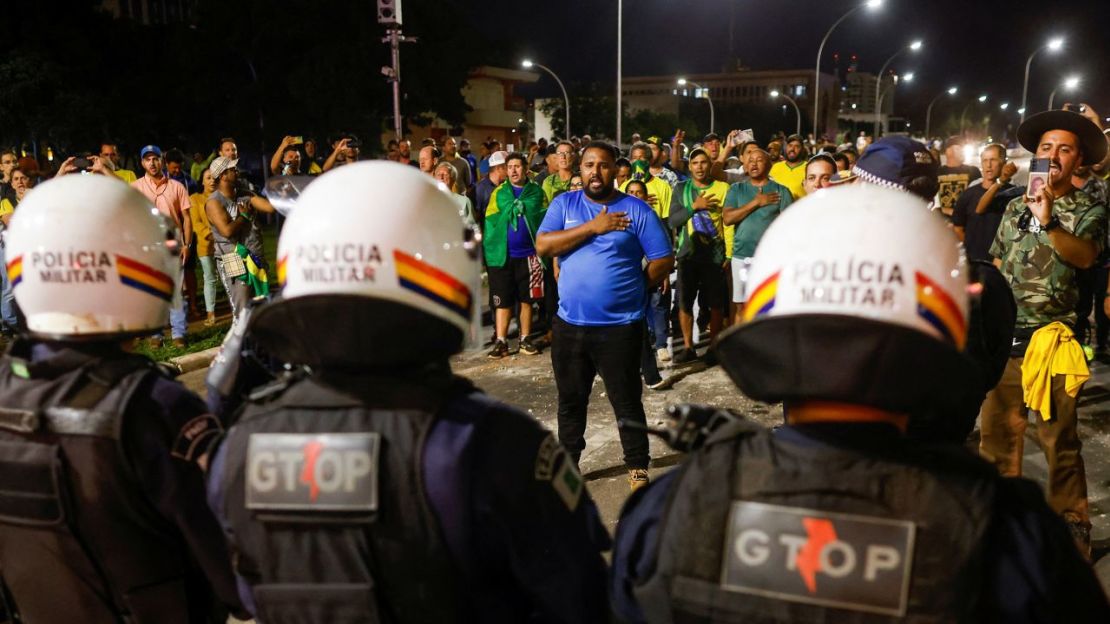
x=194, y=437
x=545, y=458
x=565, y=479
x=838, y=560
x=313, y=471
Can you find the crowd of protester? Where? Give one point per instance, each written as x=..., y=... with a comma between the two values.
x=714, y=197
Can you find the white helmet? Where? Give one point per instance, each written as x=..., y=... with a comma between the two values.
x=89, y=256
x=856, y=293
x=383, y=238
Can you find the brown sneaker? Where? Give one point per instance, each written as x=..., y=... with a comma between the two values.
x=179, y=343
x=211, y=320
x=637, y=478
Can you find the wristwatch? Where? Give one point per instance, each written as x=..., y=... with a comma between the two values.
x=1052, y=224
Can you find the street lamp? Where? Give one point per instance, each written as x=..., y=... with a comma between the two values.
x=1053, y=46
x=1070, y=84
x=682, y=82
x=914, y=47
x=929, y=110
x=528, y=64
x=1004, y=106
x=870, y=4
x=963, y=113
x=908, y=77
x=797, y=112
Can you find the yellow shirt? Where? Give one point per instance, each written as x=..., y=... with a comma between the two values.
x=718, y=190
x=199, y=218
x=6, y=207
x=793, y=178
x=1053, y=350
x=662, y=192
x=126, y=175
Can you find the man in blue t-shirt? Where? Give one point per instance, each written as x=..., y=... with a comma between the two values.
x=601, y=238
x=751, y=206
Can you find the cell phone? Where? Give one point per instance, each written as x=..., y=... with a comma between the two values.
x=1075, y=108
x=83, y=163
x=297, y=140
x=1038, y=177
x=745, y=136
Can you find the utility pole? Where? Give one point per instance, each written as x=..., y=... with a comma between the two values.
x=389, y=13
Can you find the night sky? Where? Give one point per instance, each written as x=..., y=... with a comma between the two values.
x=980, y=45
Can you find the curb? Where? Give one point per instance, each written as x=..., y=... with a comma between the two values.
x=193, y=361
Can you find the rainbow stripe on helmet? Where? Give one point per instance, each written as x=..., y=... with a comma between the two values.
x=762, y=299
x=432, y=283
x=940, y=311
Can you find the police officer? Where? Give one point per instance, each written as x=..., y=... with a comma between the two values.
x=371, y=484
x=856, y=322
x=102, y=499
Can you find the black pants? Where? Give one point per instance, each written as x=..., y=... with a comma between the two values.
x=1092, y=291
x=578, y=353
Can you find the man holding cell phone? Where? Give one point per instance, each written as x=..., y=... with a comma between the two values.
x=1043, y=241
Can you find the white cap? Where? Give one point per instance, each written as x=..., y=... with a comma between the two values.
x=498, y=158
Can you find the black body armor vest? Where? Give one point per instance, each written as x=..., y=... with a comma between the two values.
x=759, y=530
x=326, y=499
x=78, y=539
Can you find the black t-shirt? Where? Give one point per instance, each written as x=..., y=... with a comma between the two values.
x=953, y=181
x=979, y=229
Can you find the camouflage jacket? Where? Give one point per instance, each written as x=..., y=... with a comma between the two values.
x=1045, y=287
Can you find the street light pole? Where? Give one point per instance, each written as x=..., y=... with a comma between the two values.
x=963, y=113
x=817, y=73
x=566, y=100
x=683, y=82
x=915, y=46
x=929, y=110
x=907, y=78
x=797, y=111
x=1053, y=45
x=620, y=23
x=1069, y=84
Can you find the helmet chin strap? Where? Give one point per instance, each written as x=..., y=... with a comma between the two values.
x=830, y=411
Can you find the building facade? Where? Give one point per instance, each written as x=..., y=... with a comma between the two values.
x=744, y=86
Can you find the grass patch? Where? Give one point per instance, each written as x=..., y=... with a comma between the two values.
x=196, y=341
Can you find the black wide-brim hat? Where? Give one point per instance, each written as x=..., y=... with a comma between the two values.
x=1091, y=139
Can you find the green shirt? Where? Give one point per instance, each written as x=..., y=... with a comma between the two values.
x=751, y=229
x=553, y=186
x=1044, y=285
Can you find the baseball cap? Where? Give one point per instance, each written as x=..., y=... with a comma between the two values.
x=150, y=149
x=498, y=158
x=222, y=164
x=712, y=136
x=952, y=141
x=898, y=162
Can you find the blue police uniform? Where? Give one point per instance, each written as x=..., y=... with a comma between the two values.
x=1032, y=571
x=129, y=465
x=523, y=536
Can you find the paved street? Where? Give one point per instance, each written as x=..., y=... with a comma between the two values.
x=526, y=381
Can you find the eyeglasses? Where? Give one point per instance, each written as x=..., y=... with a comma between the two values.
x=576, y=185
x=564, y=154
